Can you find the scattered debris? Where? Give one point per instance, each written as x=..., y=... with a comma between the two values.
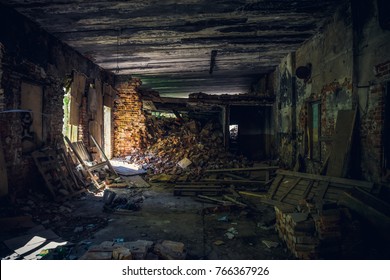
x=270, y=244
x=78, y=229
x=184, y=163
x=108, y=197
x=122, y=253
x=224, y=218
x=170, y=250
x=231, y=233
x=178, y=147
x=218, y=243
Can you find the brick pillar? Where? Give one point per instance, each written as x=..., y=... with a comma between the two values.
x=129, y=119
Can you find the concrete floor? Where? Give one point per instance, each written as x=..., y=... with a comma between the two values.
x=163, y=216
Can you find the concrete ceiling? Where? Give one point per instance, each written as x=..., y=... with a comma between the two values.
x=170, y=44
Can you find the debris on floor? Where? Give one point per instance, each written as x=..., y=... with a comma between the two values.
x=136, y=250
x=184, y=147
x=316, y=233
x=170, y=250
x=270, y=244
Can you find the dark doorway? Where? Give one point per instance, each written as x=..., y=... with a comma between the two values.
x=251, y=131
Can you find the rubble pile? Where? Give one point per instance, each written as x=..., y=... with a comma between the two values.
x=180, y=147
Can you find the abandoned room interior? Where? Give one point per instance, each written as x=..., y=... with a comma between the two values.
x=195, y=130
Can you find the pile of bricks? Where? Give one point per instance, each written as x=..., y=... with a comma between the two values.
x=172, y=141
x=129, y=119
x=329, y=231
x=297, y=230
x=315, y=234
x=159, y=144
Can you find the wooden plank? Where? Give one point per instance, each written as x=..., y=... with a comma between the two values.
x=196, y=189
x=332, y=197
x=81, y=161
x=234, y=201
x=214, y=200
x=104, y=156
x=297, y=192
x=81, y=150
x=290, y=189
x=3, y=173
x=322, y=190
x=283, y=188
x=341, y=144
x=67, y=164
x=234, y=176
x=264, y=199
x=300, y=187
x=231, y=181
x=291, y=201
x=361, y=184
x=293, y=196
x=97, y=166
x=275, y=185
x=333, y=190
x=308, y=189
x=138, y=181
x=259, y=168
x=367, y=208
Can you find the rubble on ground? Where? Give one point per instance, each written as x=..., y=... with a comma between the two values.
x=175, y=141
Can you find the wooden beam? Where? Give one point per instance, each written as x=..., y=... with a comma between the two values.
x=275, y=185
x=265, y=200
x=379, y=219
x=348, y=182
x=222, y=181
x=308, y=189
x=104, y=156
x=259, y=168
x=290, y=189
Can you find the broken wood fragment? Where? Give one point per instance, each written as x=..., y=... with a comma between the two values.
x=234, y=201
x=222, y=202
x=117, y=185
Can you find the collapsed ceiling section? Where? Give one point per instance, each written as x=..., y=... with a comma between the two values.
x=183, y=46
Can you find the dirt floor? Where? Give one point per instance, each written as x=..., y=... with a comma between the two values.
x=208, y=231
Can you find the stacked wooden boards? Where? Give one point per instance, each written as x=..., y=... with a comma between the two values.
x=291, y=187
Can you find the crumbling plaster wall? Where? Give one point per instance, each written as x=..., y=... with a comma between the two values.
x=349, y=67
x=373, y=60
x=30, y=55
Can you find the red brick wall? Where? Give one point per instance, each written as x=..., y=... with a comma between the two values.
x=334, y=97
x=371, y=130
x=382, y=70
x=129, y=121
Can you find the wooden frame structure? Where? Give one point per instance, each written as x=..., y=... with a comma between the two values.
x=83, y=156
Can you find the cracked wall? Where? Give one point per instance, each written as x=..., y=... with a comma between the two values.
x=349, y=68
